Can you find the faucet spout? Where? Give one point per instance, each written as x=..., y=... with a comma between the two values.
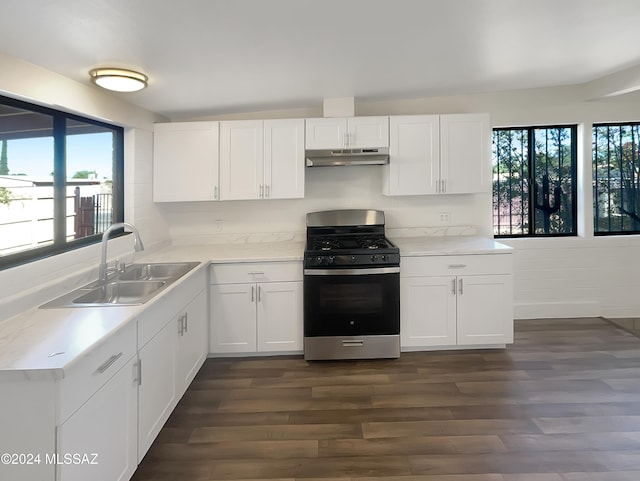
x=137, y=246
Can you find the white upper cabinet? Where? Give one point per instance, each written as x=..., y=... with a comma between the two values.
x=262, y=159
x=241, y=159
x=465, y=153
x=414, y=155
x=185, y=161
x=431, y=154
x=284, y=159
x=347, y=133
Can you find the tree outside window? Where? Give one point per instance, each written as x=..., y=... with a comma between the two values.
x=616, y=178
x=534, y=181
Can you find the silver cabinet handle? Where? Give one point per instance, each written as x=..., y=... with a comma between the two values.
x=259, y=294
x=457, y=266
x=256, y=273
x=261, y=194
x=215, y=192
x=266, y=191
x=460, y=289
x=352, y=343
x=138, y=374
x=109, y=362
x=180, y=325
x=253, y=293
x=186, y=322
x=453, y=286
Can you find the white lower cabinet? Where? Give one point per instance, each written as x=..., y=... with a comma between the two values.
x=96, y=419
x=428, y=312
x=171, y=357
x=260, y=316
x=456, y=301
x=98, y=442
x=157, y=391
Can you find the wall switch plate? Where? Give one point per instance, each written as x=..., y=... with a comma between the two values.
x=445, y=218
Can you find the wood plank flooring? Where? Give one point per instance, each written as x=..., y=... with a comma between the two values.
x=561, y=404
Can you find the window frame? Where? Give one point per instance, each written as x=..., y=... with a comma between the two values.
x=595, y=125
x=531, y=172
x=60, y=243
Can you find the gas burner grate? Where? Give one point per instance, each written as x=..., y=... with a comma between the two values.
x=372, y=243
x=326, y=244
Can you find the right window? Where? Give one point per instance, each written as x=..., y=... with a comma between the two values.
x=616, y=179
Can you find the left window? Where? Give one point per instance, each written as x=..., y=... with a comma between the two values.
x=61, y=181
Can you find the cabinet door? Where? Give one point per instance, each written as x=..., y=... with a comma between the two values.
x=233, y=318
x=157, y=392
x=185, y=161
x=465, y=153
x=279, y=316
x=326, y=133
x=414, y=153
x=284, y=159
x=191, y=349
x=427, y=311
x=105, y=426
x=367, y=132
x=485, y=312
x=241, y=159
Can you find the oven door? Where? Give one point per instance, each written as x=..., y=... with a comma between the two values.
x=352, y=302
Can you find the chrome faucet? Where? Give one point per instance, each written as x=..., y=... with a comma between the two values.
x=137, y=246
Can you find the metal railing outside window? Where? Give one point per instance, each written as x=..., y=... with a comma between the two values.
x=616, y=178
x=534, y=181
x=61, y=181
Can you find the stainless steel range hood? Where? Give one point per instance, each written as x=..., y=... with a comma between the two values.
x=329, y=158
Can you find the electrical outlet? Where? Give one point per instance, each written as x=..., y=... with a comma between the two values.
x=445, y=218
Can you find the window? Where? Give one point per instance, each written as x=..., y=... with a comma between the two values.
x=616, y=179
x=534, y=181
x=60, y=181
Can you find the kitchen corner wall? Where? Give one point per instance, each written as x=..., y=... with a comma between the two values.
x=580, y=276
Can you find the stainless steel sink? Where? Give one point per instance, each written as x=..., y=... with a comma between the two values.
x=136, y=285
x=121, y=293
x=150, y=272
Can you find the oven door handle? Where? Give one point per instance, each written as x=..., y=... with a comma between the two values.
x=365, y=271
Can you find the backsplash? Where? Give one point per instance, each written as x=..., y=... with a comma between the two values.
x=326, y=189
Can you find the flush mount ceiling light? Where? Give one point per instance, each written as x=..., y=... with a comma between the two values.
x=118, y=79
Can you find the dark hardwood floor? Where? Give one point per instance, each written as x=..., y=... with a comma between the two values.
x=561, y=404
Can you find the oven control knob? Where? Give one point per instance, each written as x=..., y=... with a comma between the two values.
x=374, y=258
x=384, y=257
x=353, y=259
x=318, y=260
x=331, y=259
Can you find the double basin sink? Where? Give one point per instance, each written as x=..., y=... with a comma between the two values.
x=135, y=285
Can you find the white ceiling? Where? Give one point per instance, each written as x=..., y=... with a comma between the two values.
x=224, y=56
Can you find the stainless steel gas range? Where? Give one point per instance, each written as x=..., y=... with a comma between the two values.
x=351, y=287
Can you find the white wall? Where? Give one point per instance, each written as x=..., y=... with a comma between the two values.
x=19, y=79
x=580, y=276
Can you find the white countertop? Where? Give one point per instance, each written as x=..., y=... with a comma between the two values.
x=28, y=340
x=50, y=340
x=448, y=245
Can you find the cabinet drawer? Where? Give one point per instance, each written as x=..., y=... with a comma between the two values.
x=456, y=265
x=242, y=273
x=94, y=369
